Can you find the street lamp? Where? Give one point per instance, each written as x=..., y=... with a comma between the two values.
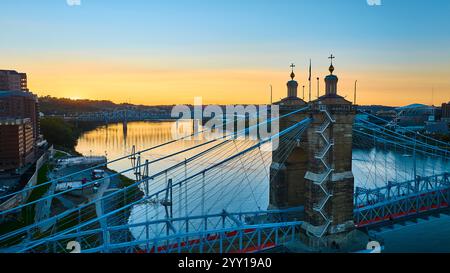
x=271, y=94
x=318, y=89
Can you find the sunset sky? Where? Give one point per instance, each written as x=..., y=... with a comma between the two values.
x=227, y=51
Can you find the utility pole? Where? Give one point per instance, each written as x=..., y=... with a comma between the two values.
x=303, y=98
x=271, y=95
x=354, y=98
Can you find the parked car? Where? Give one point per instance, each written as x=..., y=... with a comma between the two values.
x=98, y=174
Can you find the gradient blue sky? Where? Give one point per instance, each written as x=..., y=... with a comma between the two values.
x=149, y=51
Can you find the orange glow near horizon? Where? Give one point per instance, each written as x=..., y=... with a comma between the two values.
x=228, y=52
x=133, y=84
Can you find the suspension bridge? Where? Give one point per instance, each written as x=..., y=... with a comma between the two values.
x=325, y=174
x=199, y=204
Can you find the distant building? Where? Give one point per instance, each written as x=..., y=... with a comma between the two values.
x=437, y=127
x=11, y=80
x=16, y=143
x=20, y=105
x=415, y=115
x=446, y=112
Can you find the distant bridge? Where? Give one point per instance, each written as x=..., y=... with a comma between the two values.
x=122, y=115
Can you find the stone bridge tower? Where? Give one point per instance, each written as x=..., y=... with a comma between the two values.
x=329, y=181
x=286, y=190
x=318, y=173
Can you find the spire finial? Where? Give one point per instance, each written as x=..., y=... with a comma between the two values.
x=292, y=74
x=332, y=57
x=331, y=66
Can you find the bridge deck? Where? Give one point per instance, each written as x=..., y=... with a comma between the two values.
x=402, y=200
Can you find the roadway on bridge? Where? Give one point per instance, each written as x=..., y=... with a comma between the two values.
x=426, y=236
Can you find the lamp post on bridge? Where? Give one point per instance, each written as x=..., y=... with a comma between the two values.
x=318, y=87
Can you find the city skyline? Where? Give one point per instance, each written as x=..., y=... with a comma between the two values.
x=228, y=52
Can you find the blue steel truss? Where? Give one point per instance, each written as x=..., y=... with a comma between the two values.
x=223, y=233
x=397, y=200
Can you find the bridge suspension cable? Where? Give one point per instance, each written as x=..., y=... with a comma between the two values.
x=244, y=131
x=79, y=209
x=445, y=145
x=180, y=183
x=368, y=135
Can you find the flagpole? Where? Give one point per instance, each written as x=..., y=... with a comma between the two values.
x=309, y=90
x=309, y=79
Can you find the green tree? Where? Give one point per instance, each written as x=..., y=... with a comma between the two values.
x=58, y=132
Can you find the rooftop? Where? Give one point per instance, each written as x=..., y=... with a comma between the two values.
x=414, y=106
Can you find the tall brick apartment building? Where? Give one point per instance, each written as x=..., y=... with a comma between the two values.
x=16, y=143
x=19, y=105
x=12, y=80
x=19, y=121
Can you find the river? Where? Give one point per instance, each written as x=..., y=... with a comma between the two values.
x=371, y=168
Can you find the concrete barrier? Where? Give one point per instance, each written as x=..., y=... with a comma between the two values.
x=22, y=197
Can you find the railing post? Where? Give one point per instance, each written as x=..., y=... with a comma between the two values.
x=201, y=243
x=221, y=242
x=276, y=236
x=241, y=234
x=414, y=158
x=203, y=194
x=185, y=189
x=259, y=239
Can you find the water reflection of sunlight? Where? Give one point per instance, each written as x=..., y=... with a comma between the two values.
x=371, y=167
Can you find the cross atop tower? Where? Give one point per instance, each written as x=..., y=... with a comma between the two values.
x=292, y=66
x=331, y=58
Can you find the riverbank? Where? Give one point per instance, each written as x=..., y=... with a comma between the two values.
x=64, y=134
x=116, y=191
x=51, y=170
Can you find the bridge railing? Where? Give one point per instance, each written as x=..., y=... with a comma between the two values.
x=397, y=200
x=190, y=230
x=244, y=239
